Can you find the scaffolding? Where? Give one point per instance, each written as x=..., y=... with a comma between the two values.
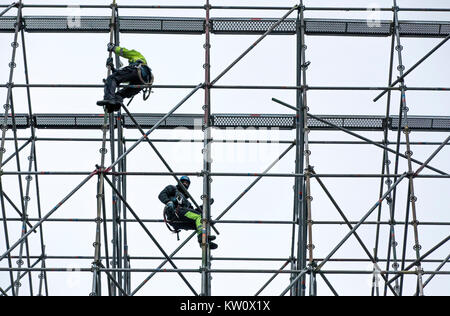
x=302, y=265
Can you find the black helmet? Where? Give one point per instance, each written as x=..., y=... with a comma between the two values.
x=185, y=181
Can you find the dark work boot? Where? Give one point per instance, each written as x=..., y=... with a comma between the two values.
x=117, y=106
x=106, y=103
x=111, y=105
x=212, y=245
x=211, y=238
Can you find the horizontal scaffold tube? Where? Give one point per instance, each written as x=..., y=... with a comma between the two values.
x=215, y=174
x=232, y=87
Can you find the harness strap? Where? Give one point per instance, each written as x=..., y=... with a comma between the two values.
x=177, y=231
x=152, y=78
x=147, y=90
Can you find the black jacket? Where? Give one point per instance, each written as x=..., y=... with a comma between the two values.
x=171, y=193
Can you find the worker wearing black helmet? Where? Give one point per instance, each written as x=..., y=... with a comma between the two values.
x=179, y=212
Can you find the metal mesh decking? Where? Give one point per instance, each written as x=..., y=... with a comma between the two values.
x=251, y=26
x=223, y=121
x=162, y=25
x=68, y=121
x=22, y=121
x=175, y=121
x=181, y=25
x=254, y=121
x=423, y=123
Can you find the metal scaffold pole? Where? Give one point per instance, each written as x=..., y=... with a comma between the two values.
x=305, y=216
x=43, y=282
x=7, y=107
x=411, y=191
x=300, y=206
x=207, y=162
x=116, y=203
x=107, y=118
x=386, y=170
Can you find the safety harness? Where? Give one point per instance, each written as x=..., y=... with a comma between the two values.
x=145, y=75
x=172, y=218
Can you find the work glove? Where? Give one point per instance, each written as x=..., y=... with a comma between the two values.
x=110, y=63
x=171, y=206
x=111, y=47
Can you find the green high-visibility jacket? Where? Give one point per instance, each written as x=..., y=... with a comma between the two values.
x=133, y=56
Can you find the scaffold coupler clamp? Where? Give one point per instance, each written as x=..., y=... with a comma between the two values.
x=18, y=4
x=310, y=246
x=113, y=6
x=206, y=173
x=94, y=266
x=98, y=169
x=419, y=270
x=98, y=220
x=306, y=65
x=312, y=268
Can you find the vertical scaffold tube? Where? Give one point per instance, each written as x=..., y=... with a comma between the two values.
x=117, y=248
x=206, y=229
x=43, y=275
x=412, y=199
x=4, y=127
x=299, y=200
x=307, y=222
x=96, y=286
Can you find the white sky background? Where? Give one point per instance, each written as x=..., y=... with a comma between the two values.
x=178, y=59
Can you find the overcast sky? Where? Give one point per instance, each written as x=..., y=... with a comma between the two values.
x=178, y=59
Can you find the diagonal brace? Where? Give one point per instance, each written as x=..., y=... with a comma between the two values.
x=15, y=208
x=254, y=44
x=363, y=138
x=220, y=216
x=366, y=250
x=149, y=233
x=376, y=144
x=401, y=78
x=47, y=216
x=361, y=222
x=157, y=125
x=8, y=8
x=186, y=192
x=272, y=278
x=415, y=263
x=15, y=153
